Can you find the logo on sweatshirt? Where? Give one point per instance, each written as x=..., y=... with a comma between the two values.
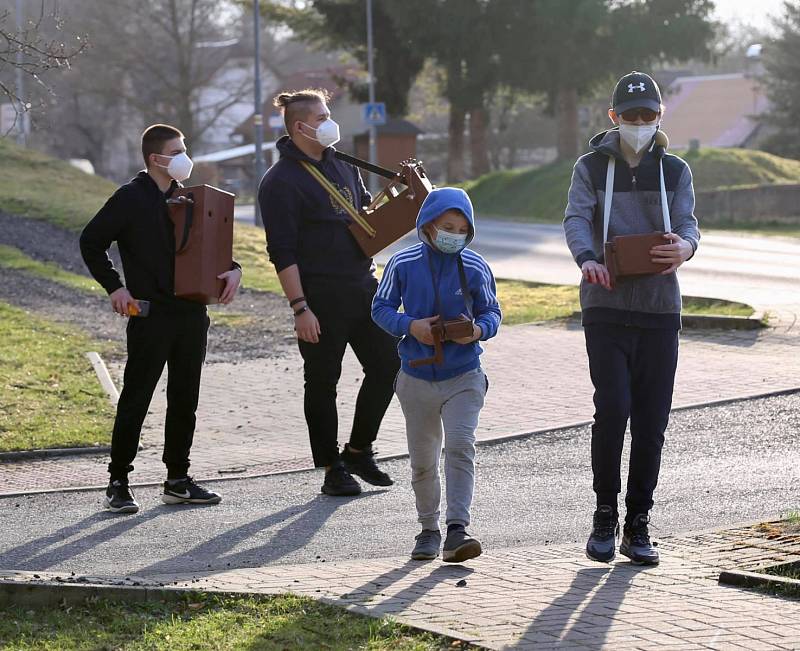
x=347, y=194
x=458, y=292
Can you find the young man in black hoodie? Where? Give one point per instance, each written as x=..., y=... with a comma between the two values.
x=329, y=283
x=174, y=333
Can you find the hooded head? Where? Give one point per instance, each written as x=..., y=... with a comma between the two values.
x=446, y=210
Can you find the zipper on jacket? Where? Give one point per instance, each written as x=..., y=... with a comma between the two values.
x=635, y=190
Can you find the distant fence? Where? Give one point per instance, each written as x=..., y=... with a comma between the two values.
x=751, y=205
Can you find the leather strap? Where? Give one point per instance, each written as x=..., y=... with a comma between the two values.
x=364, y=165
x=187, y=223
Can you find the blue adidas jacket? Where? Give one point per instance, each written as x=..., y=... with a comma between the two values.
x=407, y=280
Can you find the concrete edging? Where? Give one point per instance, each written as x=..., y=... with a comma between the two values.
x=747, y=579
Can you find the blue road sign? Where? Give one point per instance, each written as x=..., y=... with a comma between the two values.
x=375, y=114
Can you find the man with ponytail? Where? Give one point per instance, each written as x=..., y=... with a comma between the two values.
x=631, y=324
x=329, y=284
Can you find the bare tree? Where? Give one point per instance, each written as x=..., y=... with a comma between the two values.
x=31, y=49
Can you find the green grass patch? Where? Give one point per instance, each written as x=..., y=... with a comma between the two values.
x=12, y=258
x=209, y=623
x=49, y=392
x=222, y=317
x=525, y=302
x=36, y=185
x=540, y=194
x=249, y=250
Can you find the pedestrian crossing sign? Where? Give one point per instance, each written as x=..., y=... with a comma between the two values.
x=375, y=113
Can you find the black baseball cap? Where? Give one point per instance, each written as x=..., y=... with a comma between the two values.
x=636, y=90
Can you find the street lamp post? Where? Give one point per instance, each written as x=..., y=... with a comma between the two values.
x=373, y=155
x=258, y=118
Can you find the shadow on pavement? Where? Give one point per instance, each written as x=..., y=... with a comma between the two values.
x=300, y=523
x=364, y=593
x=36, y=555
x=558, y=624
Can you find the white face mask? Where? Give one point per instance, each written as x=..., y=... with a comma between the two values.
x=180, y=167
x=638, y=136
x=449, y=242
x=327, y=133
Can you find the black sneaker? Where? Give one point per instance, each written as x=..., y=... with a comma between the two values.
x=459, y=546
x=186, y=491
x=119, y=497
x=636, y=543
x=363, y=464
x=427, y=545
x=603, y=539
x=340, y=482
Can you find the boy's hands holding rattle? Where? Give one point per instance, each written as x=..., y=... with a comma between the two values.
x=477, y=333
x=420, y=329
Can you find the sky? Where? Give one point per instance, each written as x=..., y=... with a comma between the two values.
x=754, y=12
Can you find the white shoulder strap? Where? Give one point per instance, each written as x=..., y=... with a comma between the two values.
x=664, y=204
x=609, y=195
x=609, y=192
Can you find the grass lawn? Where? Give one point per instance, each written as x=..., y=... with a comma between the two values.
x=36, y=185
x=525, y=302
x=48, y=389
x=208, y=623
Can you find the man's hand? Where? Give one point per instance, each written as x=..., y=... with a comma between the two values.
x=477, y=333
x=420, y=329
x=307, y=327
x=120, y=300
x=596, y=273
x=232, y=279
x=674, y=254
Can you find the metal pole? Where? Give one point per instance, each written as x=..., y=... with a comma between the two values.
x=373, y=140
x=258, y=118
x=22, y=114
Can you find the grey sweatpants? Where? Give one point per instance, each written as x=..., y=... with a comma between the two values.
x=428, y=407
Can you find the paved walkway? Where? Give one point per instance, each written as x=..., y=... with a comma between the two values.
x=250, y=419
x=545, y=597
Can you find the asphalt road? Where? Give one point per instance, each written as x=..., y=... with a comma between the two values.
x=760, y=271
x=722, y=465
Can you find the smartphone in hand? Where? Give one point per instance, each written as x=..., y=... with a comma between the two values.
x=142, y=311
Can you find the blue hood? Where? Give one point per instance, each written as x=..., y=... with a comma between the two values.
x=441, y=200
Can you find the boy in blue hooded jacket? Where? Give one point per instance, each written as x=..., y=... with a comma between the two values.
x=440, y=279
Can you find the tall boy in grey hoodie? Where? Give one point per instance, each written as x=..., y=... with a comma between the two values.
x=631, y=329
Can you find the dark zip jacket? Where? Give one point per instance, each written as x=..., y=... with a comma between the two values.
x=136, y=218
x=304, y=225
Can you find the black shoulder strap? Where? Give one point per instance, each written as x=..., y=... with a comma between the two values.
x=462, y=276
x=364, y=165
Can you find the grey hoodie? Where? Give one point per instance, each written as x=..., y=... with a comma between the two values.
x=648, y=301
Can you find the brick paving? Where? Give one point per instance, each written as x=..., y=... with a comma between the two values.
x=548, y=596
x=250, y=419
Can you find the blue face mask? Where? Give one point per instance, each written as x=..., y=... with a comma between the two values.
x=449, y=242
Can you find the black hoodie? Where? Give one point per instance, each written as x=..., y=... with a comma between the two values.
x=303, y=224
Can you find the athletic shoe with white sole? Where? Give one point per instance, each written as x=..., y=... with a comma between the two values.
x=119, y=497
x=187, y=491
